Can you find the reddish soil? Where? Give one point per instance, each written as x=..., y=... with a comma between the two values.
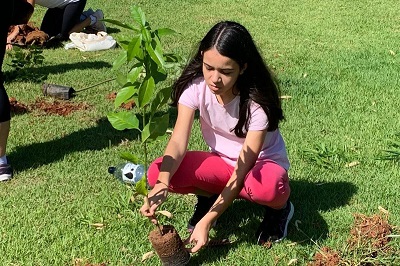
x=51, y=107
x=326, y=257
x=27, y=34
x=368, y=232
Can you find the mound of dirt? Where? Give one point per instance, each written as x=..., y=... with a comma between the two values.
x=371, y=230
x=27, y=34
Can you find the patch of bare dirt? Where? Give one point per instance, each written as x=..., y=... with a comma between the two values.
x=56, y=107
x=17, y=107
x=326, y=257
x=51, y=107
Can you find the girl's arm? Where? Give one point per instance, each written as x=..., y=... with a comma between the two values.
x=173, y=156
x=247, y=158
x=177, y=145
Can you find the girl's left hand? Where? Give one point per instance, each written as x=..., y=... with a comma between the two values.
x=198, y=238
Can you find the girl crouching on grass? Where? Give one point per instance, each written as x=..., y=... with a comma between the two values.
x=238, y=101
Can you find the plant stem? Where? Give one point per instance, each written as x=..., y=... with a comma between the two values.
x=145, y=142
x=146, y=201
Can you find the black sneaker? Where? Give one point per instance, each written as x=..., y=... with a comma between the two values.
x=274, y=226
x=201, y=208
x=6, y=172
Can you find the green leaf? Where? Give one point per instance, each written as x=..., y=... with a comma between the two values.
x=156, y=127
x=121, y=24
x=146, y=35
x=123, y=120
x=121, y=59
x=134, y=73
x=138, y=15
x=159, y=74
x=125, y=94
x=122, y=79
x=141, y=186
x=129, y=157
x=164, y=31
x=160, y=99
x=123, y=42
x=155, y=53
x=134, y=49
x=146, y=91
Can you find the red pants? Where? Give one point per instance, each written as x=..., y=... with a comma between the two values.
x=266, y=184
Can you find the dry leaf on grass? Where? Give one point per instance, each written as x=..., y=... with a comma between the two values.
x=352, y=164
x=285, y=97
x=165, y=213
x=98, y=226
x=147, y=255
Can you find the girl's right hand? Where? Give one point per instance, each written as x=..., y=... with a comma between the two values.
x=155, y=198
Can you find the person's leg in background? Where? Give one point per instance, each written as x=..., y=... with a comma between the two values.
x=88, y=19
x=52, y=21
x=5, y=117
x=71, y=19
x=59, y=23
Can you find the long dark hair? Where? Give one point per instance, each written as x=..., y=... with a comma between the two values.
x=255, y=84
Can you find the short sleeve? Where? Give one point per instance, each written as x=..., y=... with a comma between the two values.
x=258, y=119
x=190, y=96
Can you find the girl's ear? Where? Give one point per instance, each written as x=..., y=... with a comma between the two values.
x=243, y=68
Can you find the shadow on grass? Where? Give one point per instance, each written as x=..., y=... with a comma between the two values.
x=38, y=74
x=309, y=199
x=95, y=138
x=98, y=137
x=111, y=30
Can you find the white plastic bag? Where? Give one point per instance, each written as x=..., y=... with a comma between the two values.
x=90, y=42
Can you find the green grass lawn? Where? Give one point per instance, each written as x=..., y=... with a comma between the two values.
x=339, y=61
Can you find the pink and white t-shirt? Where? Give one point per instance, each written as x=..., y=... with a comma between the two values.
x=218, y=120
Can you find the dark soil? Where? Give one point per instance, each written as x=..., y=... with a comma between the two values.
x=17, y=107
x=50, y=107
x=169, y=246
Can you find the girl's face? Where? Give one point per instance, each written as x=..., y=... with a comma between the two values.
x=220, y=73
